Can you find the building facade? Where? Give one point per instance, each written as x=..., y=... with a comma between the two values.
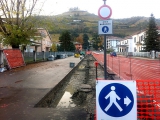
x=43, y=42
x=133, y=43
x=78, y=46
x=113, y=42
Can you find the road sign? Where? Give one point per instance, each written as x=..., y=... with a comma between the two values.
x=104, y=12
x=105, y=27
x=116, y=100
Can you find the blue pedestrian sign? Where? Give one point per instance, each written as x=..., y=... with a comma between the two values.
x=116, y=100
x=105, y=27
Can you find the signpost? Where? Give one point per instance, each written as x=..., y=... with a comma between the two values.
x=105, y=27
x=116, y=100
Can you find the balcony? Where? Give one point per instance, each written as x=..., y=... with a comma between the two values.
x=126, y=43
x=138, y=43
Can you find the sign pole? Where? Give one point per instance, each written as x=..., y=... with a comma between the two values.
x=105, y=27
x=105, y=58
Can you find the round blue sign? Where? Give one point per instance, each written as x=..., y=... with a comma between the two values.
x=116, y=100
x=105, y=29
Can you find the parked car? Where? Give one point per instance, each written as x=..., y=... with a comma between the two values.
x=50, y=57
x=113, y=54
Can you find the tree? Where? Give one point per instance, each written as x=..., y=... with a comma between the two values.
x=72, y=47
x=74, y=35
x=16, y=22
x=59, y=48
x=96, y=41
x=54, y=47
x=151, y=41
x=65, y=41
x=79, y=39
x=85, y=41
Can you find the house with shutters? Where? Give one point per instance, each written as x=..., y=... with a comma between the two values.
x=133, y=43
x=43, y=42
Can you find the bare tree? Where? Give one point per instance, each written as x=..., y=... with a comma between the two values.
x=17, y=25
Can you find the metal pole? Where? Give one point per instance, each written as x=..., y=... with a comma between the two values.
x=105, y=58
x=130, y=68
x=119, y=66
x=104, y=2
x=96, y=73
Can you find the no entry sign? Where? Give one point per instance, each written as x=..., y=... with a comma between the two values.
x=104, y=12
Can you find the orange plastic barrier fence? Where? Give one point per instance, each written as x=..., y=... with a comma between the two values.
x=148, y=91
x=148, y=99
x=14, y=58
x=131, y=68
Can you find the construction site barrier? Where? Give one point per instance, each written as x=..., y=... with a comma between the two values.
x=131, y=68
x=14, y=58
x=148, y=99
x=148, y=92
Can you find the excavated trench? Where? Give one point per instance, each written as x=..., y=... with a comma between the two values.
x=77, y=89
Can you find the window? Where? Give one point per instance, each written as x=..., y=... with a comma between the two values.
x=142, y=38
x=135, y=40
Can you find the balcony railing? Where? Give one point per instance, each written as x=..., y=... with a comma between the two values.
x=138, y=43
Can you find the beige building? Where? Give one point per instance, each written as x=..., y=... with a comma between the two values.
x=43, y=42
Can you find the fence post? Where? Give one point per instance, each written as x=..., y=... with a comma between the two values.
x=43, y=55
x=34, y=56
x=1, y=59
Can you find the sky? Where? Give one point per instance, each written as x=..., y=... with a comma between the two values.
x=120, y=8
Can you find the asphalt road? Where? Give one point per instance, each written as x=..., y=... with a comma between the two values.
x=22, y=88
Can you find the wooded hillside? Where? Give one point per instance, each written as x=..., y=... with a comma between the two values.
x=84, y=22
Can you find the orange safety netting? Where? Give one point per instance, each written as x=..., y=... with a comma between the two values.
x=148, y=85
x=131, y=68
x=14, y=58
x=148, y=99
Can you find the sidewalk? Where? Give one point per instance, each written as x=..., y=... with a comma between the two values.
x=22, y=88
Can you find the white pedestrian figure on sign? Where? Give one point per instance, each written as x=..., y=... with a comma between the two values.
x=105, y=29
x=113, y=96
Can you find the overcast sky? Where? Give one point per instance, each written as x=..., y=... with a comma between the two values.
x=120, y=8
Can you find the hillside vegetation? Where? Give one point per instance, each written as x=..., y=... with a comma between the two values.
x=84, y=22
